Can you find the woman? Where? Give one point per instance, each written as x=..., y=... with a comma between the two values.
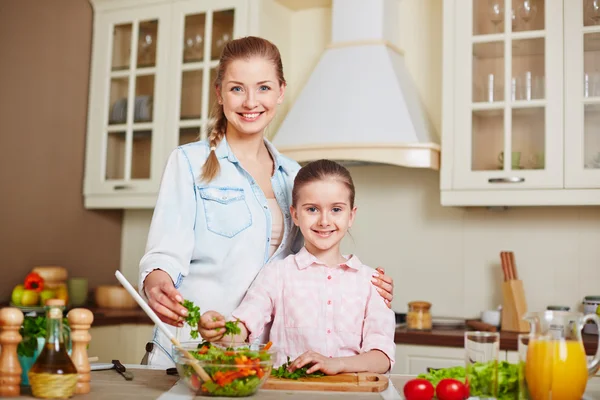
x=223, y=206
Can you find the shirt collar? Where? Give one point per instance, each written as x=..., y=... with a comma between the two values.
x=304, y=260
x=224, y=151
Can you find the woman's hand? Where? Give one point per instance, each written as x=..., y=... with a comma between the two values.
x=384, y=285
x=212, y=326
x=163, y=298
x=329, y=366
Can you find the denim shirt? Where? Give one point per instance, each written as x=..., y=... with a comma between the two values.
x=212, y=238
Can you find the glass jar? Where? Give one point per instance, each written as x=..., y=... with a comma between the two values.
x=418, y=317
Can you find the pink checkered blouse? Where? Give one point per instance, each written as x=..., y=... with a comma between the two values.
x=336, y=312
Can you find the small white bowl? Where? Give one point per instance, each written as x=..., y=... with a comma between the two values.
x=491, y=317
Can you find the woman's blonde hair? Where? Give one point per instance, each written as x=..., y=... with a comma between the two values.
x=243, y=48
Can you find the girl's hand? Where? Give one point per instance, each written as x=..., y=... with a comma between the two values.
x=163, y=298
x=211, y=326
x=329, y=366
x=384, y=285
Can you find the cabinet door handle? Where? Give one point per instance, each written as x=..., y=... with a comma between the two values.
x=510, y=179
x=121, y=187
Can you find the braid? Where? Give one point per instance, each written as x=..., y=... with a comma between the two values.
x=217, y=132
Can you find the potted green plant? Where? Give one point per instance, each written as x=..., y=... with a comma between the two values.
x=33, y=332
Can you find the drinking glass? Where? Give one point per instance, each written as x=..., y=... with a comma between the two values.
x=482, y=350
x=496, y=11
x=522, y=344
x=527, y=11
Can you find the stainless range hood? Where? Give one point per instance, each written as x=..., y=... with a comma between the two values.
x=360, y=103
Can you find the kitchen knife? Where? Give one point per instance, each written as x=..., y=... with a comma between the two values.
x=122, y=370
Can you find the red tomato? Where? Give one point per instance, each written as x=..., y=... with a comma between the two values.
x=194, y=382
x=451, y=389
x=418, y=389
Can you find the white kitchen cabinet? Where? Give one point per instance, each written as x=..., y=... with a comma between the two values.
x=415, y=359
x=521, y=106
x=153, y=62
x=125, y=342
x=512, y=357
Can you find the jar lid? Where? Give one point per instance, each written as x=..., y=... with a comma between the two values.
x=558, y=308
x=419, y=305
x=591, y=298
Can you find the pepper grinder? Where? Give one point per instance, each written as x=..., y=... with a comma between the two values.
x=11, y=319
x=80, y=320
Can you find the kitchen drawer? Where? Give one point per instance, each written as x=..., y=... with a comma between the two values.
x=125, y=342
x=415, y=359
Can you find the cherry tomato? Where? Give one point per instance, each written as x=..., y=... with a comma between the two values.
x=451, y=389
x=195, y=382
x=418, y=389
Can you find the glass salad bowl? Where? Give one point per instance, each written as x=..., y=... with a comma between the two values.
x=236, y=370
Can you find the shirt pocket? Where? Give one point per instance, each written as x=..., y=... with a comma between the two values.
x=349, y=317
x=226, y=210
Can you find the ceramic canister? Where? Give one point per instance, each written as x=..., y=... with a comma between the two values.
x=590, y=304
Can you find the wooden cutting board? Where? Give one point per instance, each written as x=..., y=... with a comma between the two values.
x=353, y=382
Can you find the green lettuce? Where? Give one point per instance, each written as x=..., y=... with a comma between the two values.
x=480, y=377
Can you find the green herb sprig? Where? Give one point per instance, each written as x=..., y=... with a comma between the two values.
x=232, y=328
x=193, y=317
x=32, y=329
x=282, y=371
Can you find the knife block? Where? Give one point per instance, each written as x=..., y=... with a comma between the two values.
x=514, y=307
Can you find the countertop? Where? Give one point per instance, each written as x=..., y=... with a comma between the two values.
x=455, y=338
x=152, y=383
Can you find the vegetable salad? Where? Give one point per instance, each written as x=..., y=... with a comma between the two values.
x=235, y=372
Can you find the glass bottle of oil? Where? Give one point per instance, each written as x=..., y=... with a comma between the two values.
x=53, y=375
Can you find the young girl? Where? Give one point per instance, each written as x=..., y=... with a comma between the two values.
x=223, y=205
x=324, y=309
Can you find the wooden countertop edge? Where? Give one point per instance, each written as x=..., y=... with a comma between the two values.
x=110, y=317
x=455, y=338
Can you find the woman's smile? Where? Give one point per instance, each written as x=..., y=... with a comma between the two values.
x=250, y=117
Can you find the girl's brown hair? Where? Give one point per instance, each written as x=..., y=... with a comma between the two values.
x=321, y=170
x=243, y=48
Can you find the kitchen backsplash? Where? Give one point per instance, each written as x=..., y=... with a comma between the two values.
x=451, y=256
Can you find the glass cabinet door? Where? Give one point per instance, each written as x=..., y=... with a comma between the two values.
x=509, y=121
x=205, y=32
x=128, y=75
x=582, y=97
x=129, y=132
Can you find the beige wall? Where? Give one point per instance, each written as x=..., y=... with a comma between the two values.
x=44, y=71
x=449, y=256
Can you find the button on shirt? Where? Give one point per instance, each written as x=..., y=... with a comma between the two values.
x=336, y=312
x=212, y=238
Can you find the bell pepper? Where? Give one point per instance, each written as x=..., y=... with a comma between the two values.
x=33, y=281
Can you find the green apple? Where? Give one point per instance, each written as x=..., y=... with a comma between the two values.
x=598, y=310
x=30, y=298
x=17, y=295
x=46, y=294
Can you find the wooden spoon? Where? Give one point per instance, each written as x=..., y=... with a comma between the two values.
x=199, y=370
